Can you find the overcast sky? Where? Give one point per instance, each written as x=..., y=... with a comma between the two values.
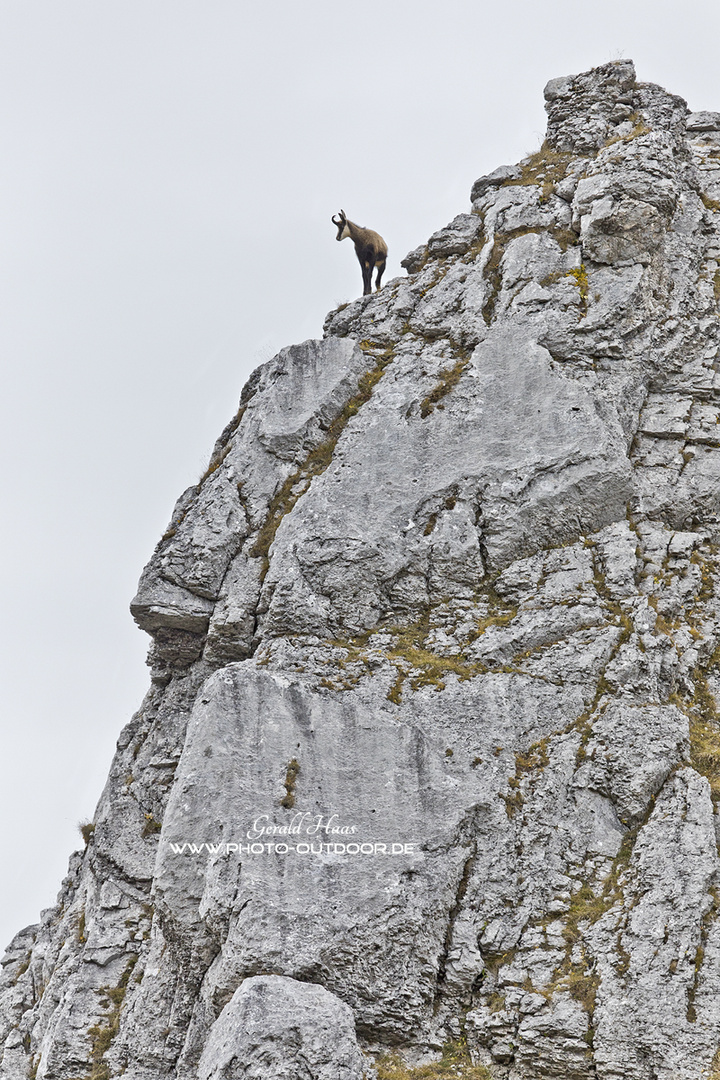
x=169, y=169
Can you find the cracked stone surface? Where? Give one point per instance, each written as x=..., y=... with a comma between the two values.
x=274, y=1026
x=431, y=750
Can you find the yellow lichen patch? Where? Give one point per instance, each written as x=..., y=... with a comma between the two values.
x=579, y=273
x=455, y=1063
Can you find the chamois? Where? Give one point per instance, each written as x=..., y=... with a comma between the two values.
x=370, y=249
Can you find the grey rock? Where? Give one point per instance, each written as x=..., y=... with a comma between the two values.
x=277, y=1027
x=494, y=179
x=431, y=742
x=415, y=259
x=637, y=747
x=555, y=88
x=625, y=233
x=703, y=121
x=457, y=237
x=504, y=479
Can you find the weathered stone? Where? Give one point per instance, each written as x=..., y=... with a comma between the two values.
x=277, y=1027
x=457, y=237
x=415, y=259
x=703, y=121
x=431, y=746
x=493, y=180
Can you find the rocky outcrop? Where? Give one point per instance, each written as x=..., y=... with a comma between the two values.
x=431, y=752
x=275, y=1027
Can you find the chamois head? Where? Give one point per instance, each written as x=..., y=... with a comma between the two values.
x=341, y=223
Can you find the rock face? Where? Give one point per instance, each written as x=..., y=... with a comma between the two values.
x=432, y=747
x=277, y=1027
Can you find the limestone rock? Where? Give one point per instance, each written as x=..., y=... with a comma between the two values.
x=430, y=752
x=276, y=1027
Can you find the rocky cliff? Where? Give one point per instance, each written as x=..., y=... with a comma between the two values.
x=431, y=752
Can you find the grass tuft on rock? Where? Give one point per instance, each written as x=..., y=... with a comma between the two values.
x=291, y=775
x=455, y=1063
x=102, y=1035
x=546, y=168
x=320, y=457
x=447, y=379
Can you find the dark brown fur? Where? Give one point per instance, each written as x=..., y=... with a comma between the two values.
x=370, y=249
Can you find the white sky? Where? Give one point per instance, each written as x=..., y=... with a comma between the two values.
x=169, y=169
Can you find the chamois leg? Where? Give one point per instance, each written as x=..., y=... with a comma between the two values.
x=367, y=269
x=380, y=267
